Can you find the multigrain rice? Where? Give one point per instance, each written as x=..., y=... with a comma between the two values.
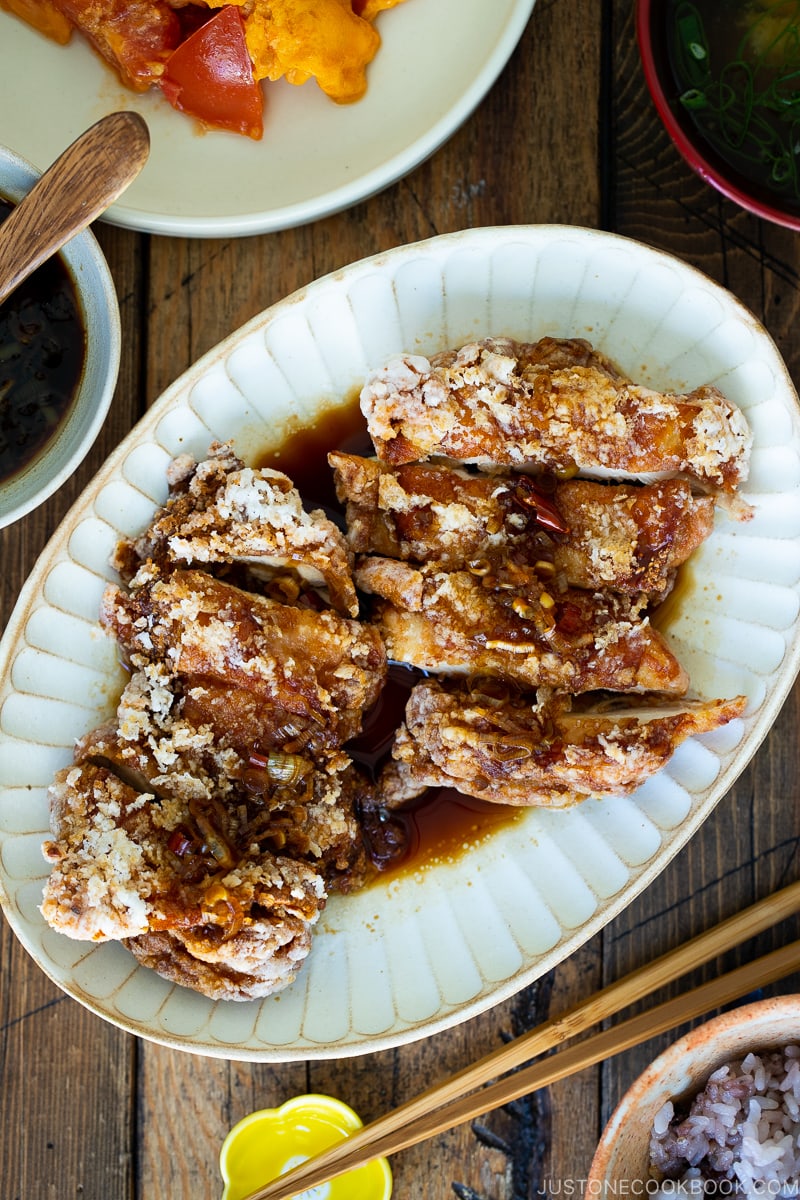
x=741, y=1134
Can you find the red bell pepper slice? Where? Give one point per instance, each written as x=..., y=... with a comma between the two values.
x=210, y=76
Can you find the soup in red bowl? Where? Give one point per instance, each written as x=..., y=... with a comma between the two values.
x=725, y=78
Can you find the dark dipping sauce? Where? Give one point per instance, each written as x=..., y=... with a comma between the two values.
x=442, y=824
x=42, y=352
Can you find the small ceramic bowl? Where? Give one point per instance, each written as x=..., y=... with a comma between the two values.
x=269, y=1143
x=97, y=298
x=652, y=33
x=621, y=1161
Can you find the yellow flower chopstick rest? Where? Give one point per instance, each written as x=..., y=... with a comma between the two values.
x=268, y=1143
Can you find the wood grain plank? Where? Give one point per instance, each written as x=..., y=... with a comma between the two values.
x=133, y=1119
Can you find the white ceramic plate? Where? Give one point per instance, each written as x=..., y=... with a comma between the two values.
x=422, y=952
x=437, y=61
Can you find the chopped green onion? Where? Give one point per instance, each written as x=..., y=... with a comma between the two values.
x=748, y=105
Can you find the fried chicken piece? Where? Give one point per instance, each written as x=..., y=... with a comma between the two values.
x=254, y=671
x=278, y=800
x=499, y=402
x=522, y=751
x=213, y=881
x=116, y=873
x=597, y=535
x=629, y=538
x=154, y=814
x=578, y=641
x=220, y=511
x=257, y=962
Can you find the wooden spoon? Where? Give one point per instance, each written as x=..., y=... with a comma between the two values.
x=79, y=186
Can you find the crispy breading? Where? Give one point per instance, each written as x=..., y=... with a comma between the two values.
x=622, y=537
x=211, y=818
x=499, y=402
x=629, y=538
x=261, y=960
x=249, y=667
x=159, y=835
x=518, y=750
x=576, y=641
x=281, y=800
x=220, y=511
x=114, y=874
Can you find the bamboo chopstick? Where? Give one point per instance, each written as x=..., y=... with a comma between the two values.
x=445, y=1105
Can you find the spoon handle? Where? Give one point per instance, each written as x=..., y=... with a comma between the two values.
x=79, y=186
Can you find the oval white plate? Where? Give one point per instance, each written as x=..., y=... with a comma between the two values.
x=420, y=953
x=435, y=65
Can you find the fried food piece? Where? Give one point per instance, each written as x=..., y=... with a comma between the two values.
x=326, y=40
x=522, y=751
x=216, y=878
x=629, y=538
x=425, y=512
x=625, y=538
x=135, y=36
x=206, y=825
x=257, y=962
x=219, y=511
x=115, y=876
x=578, y=641
x=254, y=671
x=275, y=799
x=499, y=402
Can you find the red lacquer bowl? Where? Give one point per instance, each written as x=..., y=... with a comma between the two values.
x=651, y=30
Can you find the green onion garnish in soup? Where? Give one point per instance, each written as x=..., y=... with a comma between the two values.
x=42, y=352
x=737, y=66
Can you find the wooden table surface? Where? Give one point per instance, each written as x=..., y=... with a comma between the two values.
x=568, y=135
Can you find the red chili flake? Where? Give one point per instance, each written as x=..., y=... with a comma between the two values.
x=547, y=515
x=179, y=842
x=570, y=620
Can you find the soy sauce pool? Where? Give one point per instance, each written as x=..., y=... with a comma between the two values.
x=42, y=354
x=441, y=825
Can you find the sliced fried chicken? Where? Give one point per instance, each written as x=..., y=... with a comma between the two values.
x=250, y=668
x=499, y=402
x=597, y=535
x=207, y=823
x=161, y=837
x=220, y=511
x=628, y=538
x=274, y=799
x=523, y=751
x=115, y=872
x=578, y=641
